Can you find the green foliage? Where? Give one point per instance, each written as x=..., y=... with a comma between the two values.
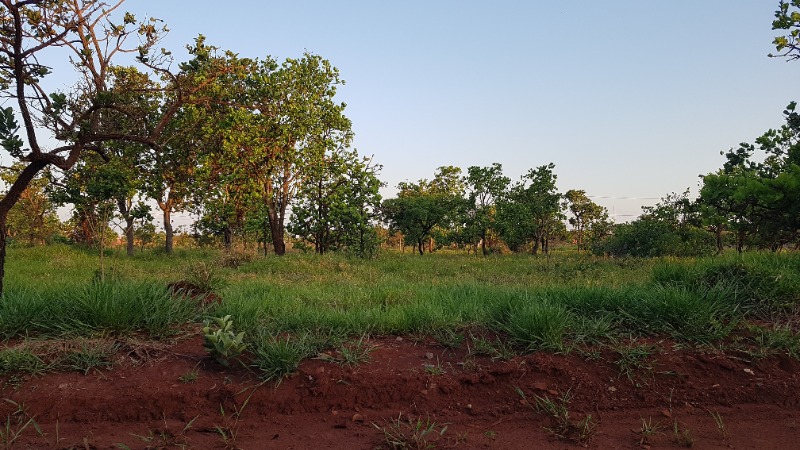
x=337, y=203
x=531, y=211
x=422, y=207
x=589, y=220
x=787, y=18
x=222, y=343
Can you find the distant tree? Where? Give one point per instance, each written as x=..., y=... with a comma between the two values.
x=484, y=185
x=670, y=227
x=422, y=206
x=589, y=220
x=531, y=210
x=336, y=204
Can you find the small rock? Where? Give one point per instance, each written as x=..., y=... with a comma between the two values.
x=552, y=392
x=749, y=371
x=612, y=389
x=321, y=369
x=358, y=418
x=666, y=413
x=399, y=339
x=469, y=406
x=540, y=386
x=429, y=355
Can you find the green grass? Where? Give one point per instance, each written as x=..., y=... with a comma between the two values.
x=529, y=303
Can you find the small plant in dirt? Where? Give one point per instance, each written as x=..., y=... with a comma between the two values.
x=720, y=424
x=496, y=349
x=164, y=438
x=448, y=338
x=96, y=354
x=409, y=434
x=356, y=352
x=633, y=359
x=16, y=423
x=20, y=361
x=563, y=427
x=276, y=358
x=222, y=343
x=189, y=377
x=648, y=430
x=682, y=436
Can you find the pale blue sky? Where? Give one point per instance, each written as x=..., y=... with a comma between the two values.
x=627, y=98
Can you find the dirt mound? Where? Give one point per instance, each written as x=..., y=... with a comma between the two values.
x=176, y=397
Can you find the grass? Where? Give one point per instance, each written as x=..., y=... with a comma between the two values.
x=527, y=303
x=562, y=426
x=411, y=434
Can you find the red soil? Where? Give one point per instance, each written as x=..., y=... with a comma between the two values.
x=142, y=403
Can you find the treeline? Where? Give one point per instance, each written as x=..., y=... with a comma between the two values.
x=259, y=149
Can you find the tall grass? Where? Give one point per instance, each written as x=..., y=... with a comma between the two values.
x=535, y=302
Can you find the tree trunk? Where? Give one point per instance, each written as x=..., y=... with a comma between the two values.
x=3, y=234
x=276, y=230
x=718, y=235
x=168, y=230
x=483, y=243
x=227, y=238
x=125, y=212
x=535, y=249
x=421, y=246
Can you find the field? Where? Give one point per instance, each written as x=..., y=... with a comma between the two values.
x=440, y=351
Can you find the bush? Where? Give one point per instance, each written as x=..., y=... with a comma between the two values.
x=650, y=238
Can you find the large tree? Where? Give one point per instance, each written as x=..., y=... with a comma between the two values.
x=531, y=210
x=422, y=206
x=83, y=34
x=337, y=203
x=589, y=220
x=484, y=185
x=284, y=124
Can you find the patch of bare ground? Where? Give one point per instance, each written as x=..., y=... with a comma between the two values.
x=414, y=393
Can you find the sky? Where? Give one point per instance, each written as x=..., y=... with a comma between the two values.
x=631, y=100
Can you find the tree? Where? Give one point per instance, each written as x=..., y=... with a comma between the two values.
x=485, y=185
x=787, y=17
x=336, y=204
x=82, y=32
x=422, y=206
x=759, y=199
x=33, y=219
x=287, y=122
x=588, y=218
x=531, y=210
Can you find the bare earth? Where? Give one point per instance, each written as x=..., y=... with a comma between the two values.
x=717, y=401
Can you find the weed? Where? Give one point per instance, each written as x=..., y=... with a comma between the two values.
x=229, y=430
x=496, y=349
x=16, y=423
x=164, y=438
x=649, y=429
x=410, y=434
x=563, y=427
x=356, y=352
x=434, y=369
x=204, y=275
x=633, y=359
x=221, y=341
x=449, y=338
x=682, y=436
x=20, y=360
x=720, y=424
x=276, y=358
x=189, y=377
x=95, y=354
